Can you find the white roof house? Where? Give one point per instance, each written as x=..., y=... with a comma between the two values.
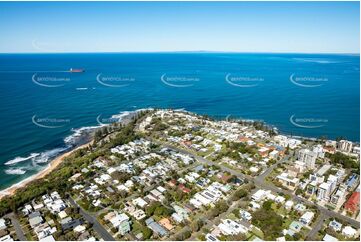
x=280, y=199
x=328, y=237
x=2, y=224
x=289, y=204
x=230, y=227
x=122, y=187
x=80, y=229
x=202, y=199
x=49, y=238
x=260, y=195
x=161, y=189
x=118, y=219
x=335, y=225
x=195, y=202
x=6, y=238
x=300, y=207
x=255, y=205
x=270, y=196
x=307, y=218
x=139, y=202
x=349, y=232
x=62, y=214
x=245, y=215
x=254, y=169
x=178, y=218
x=138, y=214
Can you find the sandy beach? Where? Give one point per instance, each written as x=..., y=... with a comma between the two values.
x=125, y=119
x=52, y=166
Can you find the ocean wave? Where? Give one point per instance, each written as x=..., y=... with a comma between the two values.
x=15, y=171
x=70, y=141
x=37, y=158
x=73, y=139
x=121, y=115
x=21, y=159
x=45, y=156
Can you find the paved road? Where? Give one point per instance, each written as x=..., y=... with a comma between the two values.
x=316, y=227
x=19, y=231
x=92, y=220
x=260, y=182
x=217, y=220
x=270, y=168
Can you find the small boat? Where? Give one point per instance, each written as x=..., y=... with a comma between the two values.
x=76, y=70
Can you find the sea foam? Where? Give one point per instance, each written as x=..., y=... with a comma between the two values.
x=21, y=159
x=15, y=171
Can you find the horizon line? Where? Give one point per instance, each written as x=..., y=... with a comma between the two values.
x=185, y=51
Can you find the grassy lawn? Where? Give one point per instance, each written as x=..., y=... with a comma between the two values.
x=287, y=222
x=257, y=232
x=232, y=216
x=29, y=237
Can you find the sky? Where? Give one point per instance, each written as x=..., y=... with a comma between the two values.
x=303, y=27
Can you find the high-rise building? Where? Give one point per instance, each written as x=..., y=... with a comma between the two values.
x=345, y=145
x=308, y=157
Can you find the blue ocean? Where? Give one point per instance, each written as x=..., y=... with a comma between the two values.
x=45, y=106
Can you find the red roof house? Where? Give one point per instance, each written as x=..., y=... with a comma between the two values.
x=184, y=189
x=353, y=202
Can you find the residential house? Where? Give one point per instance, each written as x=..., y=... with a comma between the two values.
x=306, y=218
x=328, y=237
x=156, y=227
x=166, y=224
x=35, y=219
x=336, y=226
x=353, y=203
x=230, y=227
x=2, y=224
x=349, y=232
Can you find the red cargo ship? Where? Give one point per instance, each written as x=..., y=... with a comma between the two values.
x=76, y=70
